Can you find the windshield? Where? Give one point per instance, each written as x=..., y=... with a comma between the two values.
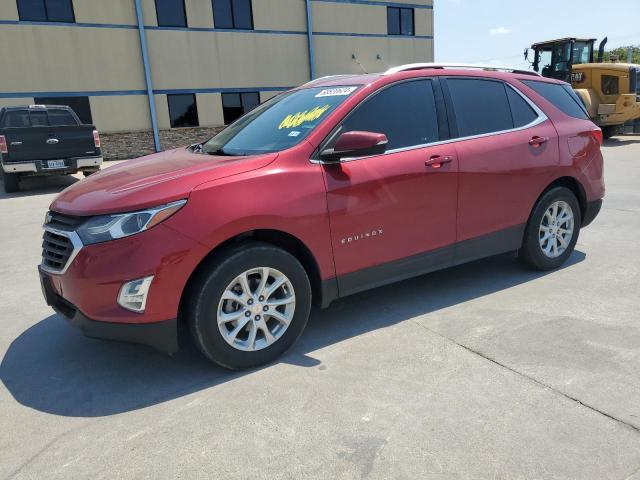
x=278, y=124
x=581, y=52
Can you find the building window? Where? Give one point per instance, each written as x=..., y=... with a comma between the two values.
x=183, y=110
x=80, y=105
x=400, y=21
x=171, y=13
x=235, y=14
x=234, y=105
x=46, y=10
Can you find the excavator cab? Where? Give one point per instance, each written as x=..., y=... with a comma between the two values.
x=556, y=58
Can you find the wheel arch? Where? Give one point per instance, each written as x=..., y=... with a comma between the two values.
x=572, y=184
x=322, y=292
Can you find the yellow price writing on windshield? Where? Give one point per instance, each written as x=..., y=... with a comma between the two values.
x=299, y=118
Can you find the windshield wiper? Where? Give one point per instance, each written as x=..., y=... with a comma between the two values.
x=196, y=147
x=220, y=152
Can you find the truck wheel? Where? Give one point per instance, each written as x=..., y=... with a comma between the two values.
x=609, y=131
x=11, y=182
x=552, y=230
x=248, y=305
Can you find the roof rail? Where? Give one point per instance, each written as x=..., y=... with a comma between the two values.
x=424, y=66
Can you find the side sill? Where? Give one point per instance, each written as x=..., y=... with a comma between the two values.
x=488, y=245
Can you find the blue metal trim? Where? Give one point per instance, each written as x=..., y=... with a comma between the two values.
x=221, y=30
x=147, y=76
x=374, y=35
x=220, y=90
x=382, y=4
x=68, y=24
x=312, y=61
x=227, y=30
x=119, y=93
x=100, y=93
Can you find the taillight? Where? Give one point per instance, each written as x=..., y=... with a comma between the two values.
x=3, y=144
x=96, y=138
x=597, y=134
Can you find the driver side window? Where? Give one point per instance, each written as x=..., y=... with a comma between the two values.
x=405, y=113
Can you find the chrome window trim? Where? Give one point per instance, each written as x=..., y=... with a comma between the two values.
x=75, y=242
x=540, y=119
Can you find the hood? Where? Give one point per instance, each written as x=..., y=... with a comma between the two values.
x=149, y=181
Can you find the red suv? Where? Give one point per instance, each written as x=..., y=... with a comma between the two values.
x=341, y=185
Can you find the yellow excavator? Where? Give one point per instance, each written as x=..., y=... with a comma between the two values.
x=610, y=91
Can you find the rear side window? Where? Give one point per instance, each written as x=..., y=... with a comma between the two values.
x=405, y=113
x=39, y=118
x=480, y=106
x=561, y=95
x=521, y=111
x=16, y=119
x=59, y=117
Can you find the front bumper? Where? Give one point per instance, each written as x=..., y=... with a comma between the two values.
x=39, y=167
x=162, y=336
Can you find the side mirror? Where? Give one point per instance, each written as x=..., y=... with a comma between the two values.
x=355, y=144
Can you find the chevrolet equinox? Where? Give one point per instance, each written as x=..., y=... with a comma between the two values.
x=346, y=183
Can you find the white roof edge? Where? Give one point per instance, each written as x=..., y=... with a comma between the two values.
x=439, y=65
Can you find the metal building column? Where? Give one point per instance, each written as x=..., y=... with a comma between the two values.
x=147, y=75
x=312, y=67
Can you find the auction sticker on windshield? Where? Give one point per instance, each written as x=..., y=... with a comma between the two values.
x=335, y=92
x=297, y=119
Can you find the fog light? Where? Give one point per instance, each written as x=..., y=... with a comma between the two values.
x=133, y=294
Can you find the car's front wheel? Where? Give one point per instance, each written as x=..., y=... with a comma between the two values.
x=552, y=230
x=248, y=305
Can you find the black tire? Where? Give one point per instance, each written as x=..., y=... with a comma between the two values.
x=86, y=174
x=11, y=182
x=609, y=131
x=531, y=253
x=205, y=293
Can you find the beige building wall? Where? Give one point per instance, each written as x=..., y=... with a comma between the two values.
x=63, y=59
x=280, y=15
x=199, y=13
x=349, y=18
x=41, y=58
x=209, y=108
x=8, y=10
x=116, y=12
x=190, y=60
x=120, y=113
x=334, y=55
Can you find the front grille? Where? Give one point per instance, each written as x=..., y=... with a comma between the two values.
x=56, y=250
x=60, y=242
x=60, y=221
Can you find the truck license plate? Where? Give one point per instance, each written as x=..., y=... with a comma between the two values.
x=55, y=163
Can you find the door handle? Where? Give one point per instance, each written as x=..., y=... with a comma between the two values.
x=436, y=161
x=53, y=141
x=16, y=143
x=537, y=141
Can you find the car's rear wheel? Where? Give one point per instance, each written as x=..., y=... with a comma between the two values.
x=609, y=131
x=11, y=182
x=552, y=231
x=249, y=305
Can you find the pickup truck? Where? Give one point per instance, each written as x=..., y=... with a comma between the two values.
x=45, y=140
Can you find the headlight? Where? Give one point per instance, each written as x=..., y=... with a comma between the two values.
x=109, y=227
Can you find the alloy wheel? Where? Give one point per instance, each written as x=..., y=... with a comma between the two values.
x=256, y=309
x=556, y=229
